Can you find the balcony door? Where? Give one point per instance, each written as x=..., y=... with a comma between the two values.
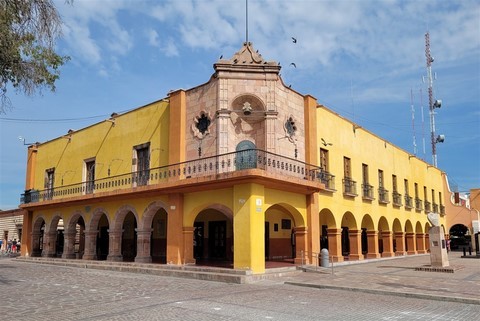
x=246, y=155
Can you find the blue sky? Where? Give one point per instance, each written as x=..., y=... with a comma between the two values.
x=361, y=59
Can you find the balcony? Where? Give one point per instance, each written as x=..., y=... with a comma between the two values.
x=397, y=199
x=210, y=170
x=435, y=208
x=408, y=202
x=367, y=192
x=418, y=204
x=428, y=207
x=328, y=180
x=349, y=187
x=383, y=196
x=442, y=209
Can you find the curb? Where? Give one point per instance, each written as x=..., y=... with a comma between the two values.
x=386, y=292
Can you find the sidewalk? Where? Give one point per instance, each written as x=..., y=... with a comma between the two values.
x=397, y=276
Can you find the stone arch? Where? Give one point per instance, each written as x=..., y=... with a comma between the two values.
x=293, y=212
x=367, y=222
x=349, y=223
x=74, y=236
x=256, y=103
x=348, y=220
x=397, y=226
x=408, y=227
x=212, y=234
x=53, y=224
x=327, y=218
x=38, y=235
x=368, y=228
x=150, y=212
x=121, y=214
x=71, y=224
x=92, y=225
x=383, y=224
x=418, y=227
x=190, y=218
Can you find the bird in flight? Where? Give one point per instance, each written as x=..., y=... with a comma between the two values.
x=325, y=143
x=294, y=40
x=293, y=64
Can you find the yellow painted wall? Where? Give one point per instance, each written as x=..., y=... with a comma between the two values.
x=363, y=147
x=110, y=144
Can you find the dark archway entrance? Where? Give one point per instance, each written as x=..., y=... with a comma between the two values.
x=459, y=237
x=102, y=238
x=158, y=246
x=213, y=239
x=129, y=238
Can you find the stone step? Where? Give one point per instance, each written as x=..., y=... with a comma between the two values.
x=184, y=271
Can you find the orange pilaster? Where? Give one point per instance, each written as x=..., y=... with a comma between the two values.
x=420, y=240
x=372, y=239
x=387, y=240
x=355, y=237
x=411, y=243
x=400, y=243
x=175, y=236
x=188, y=245
x=301, y=245
x=335, y=244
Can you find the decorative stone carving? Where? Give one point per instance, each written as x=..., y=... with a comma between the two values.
x=434, y=219
x=290, y=128
x=201, y=124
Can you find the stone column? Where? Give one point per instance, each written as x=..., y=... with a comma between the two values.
x=222, y=130
x=400, y=242
x=90, y=252
x=115, y=245
x=36, y=252
x=188, y=245
x=69, y=244
x=144, y=238
x=49, y=241
x=387, y=240
x=270, y=119
x=411, y=244
x=301, y=245
x=355, y=238
x=334, y=236
x=420, y=243
x=372, y=240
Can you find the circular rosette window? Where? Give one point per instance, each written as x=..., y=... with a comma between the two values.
x=201, y=125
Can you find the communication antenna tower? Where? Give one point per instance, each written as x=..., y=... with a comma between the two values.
x=431, y=102
x=423, y=123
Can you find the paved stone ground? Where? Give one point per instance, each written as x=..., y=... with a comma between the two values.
x=397, y=276
x=44, y=292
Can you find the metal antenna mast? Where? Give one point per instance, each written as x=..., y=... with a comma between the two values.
x=431, y=103
x=246, y=21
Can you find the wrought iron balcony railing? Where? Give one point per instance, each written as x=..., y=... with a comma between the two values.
x=435, y=208
x=397, y=199
x=408, y=202
x=418, y=204
x=367, y=192
x=383, y=196
x=220, y=164
x=328, y=180
x=349, y=187
x=442, y=209
x=428, y=206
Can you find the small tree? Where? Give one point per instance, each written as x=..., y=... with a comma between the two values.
x=28, y=32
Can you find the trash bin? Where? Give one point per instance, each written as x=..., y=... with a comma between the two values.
x=324, y=258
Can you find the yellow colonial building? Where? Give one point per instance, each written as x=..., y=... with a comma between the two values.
x=239, y=171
